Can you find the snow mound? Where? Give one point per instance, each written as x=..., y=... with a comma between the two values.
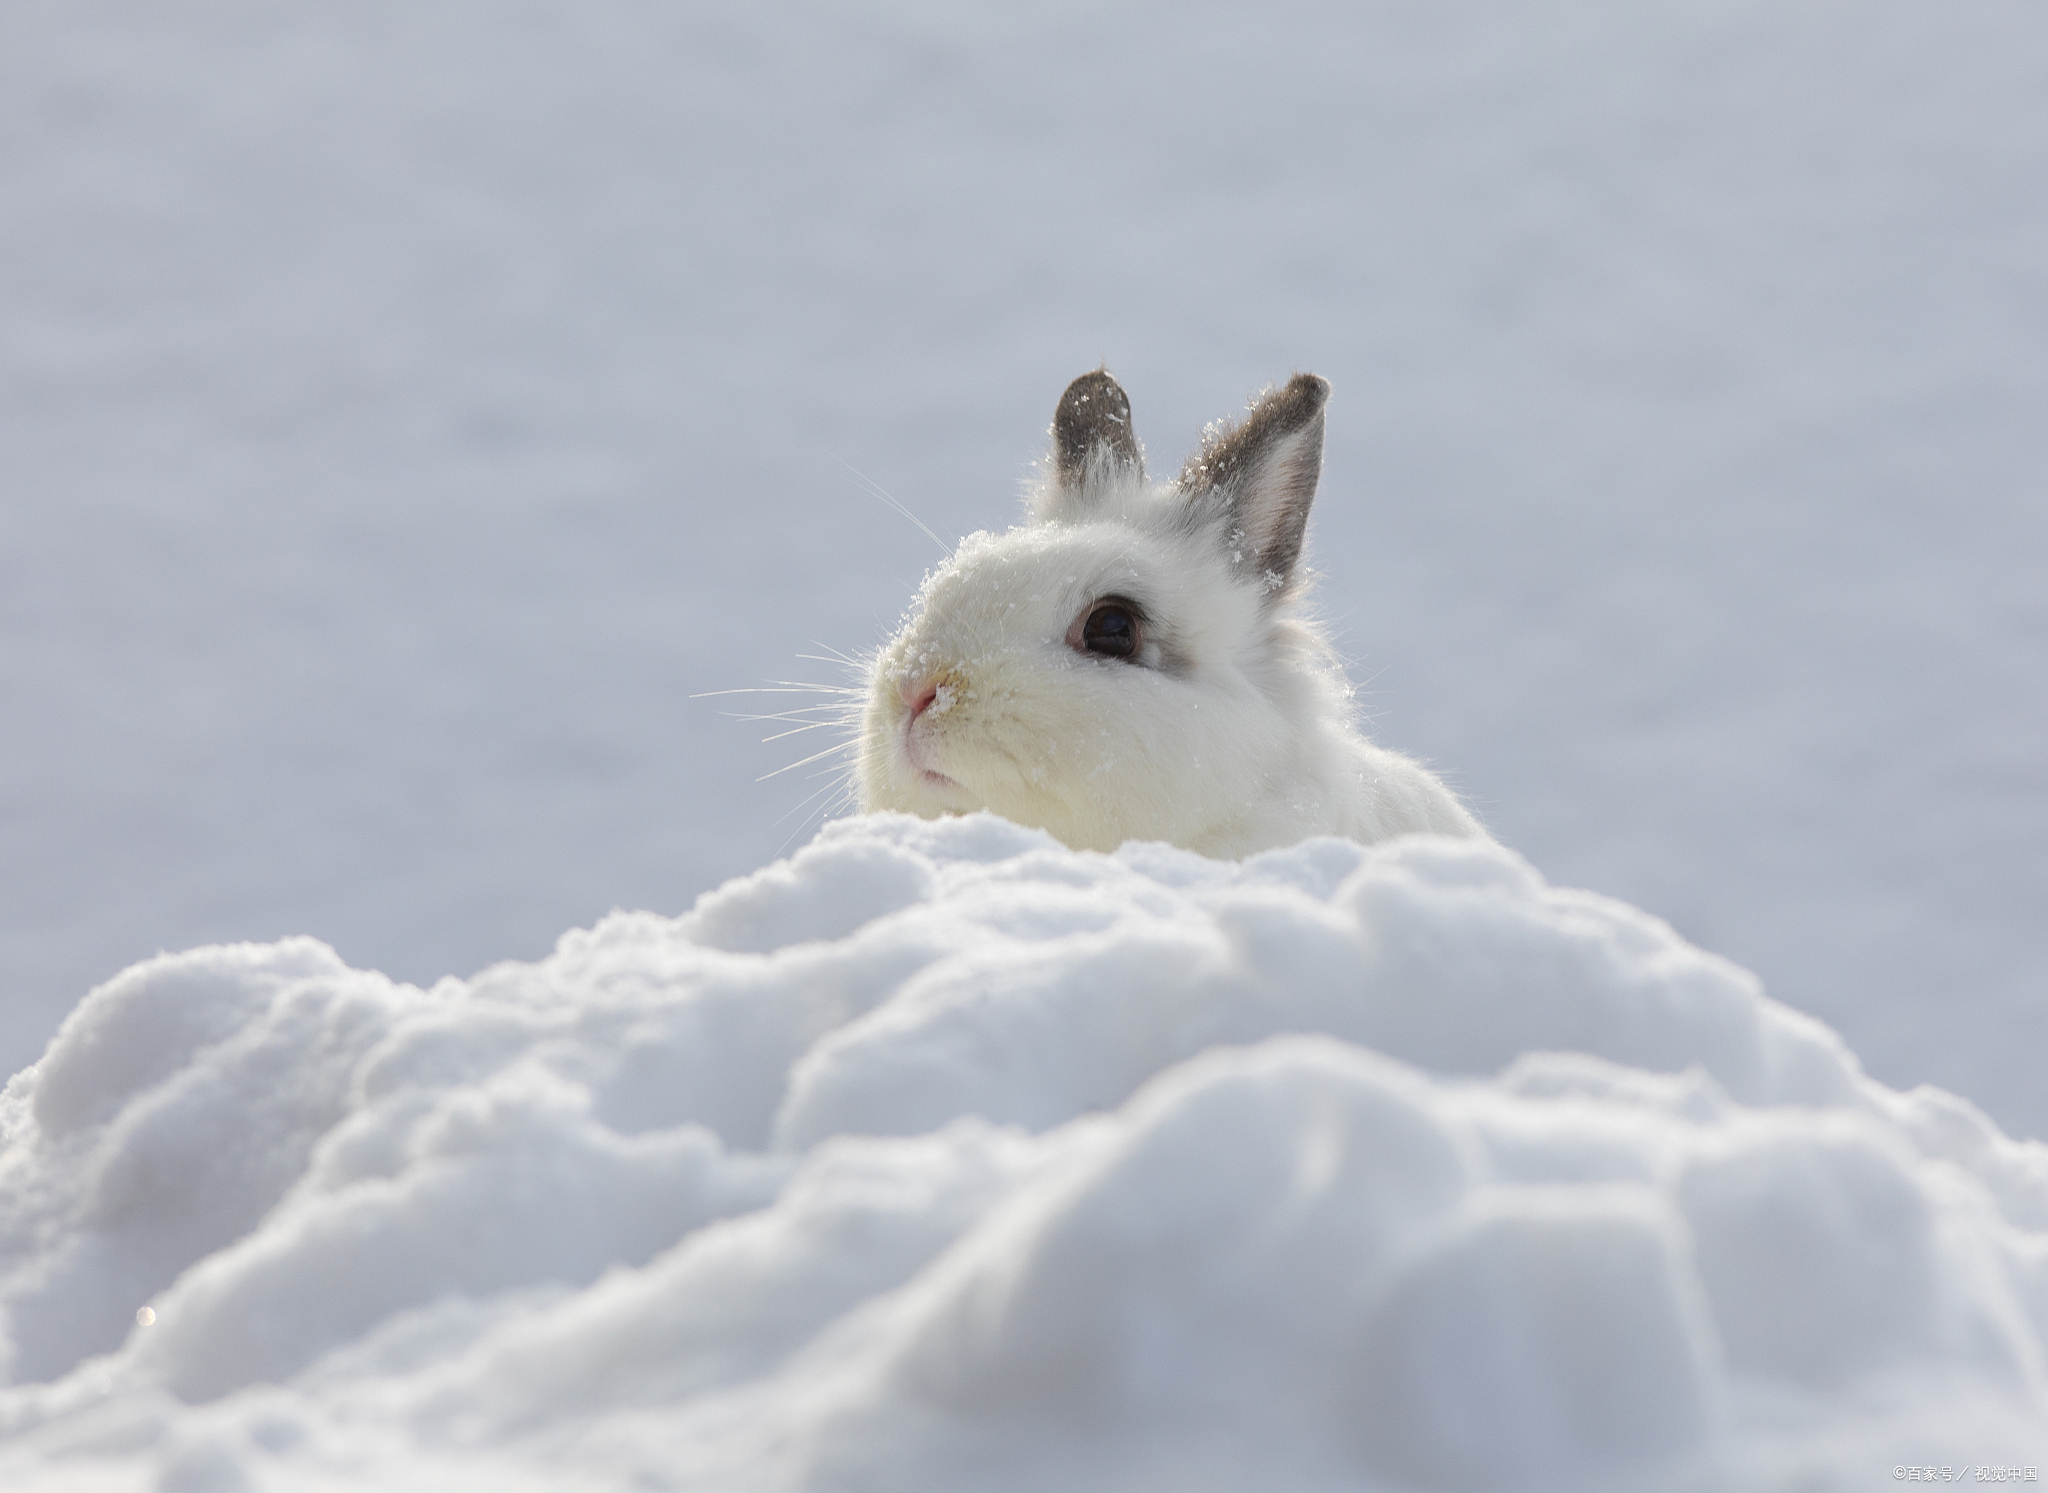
x=941, y=1156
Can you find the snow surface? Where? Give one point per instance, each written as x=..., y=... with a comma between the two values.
x=940, y=1156
x=407, y=407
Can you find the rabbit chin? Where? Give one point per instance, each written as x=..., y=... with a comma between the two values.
x=926, y=779
x=959, y=770
x=930, y=795
x=1077, y=801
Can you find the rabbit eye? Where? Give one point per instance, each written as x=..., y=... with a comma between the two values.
x=1112, y=629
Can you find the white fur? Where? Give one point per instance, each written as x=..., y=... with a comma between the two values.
x=1231, y=733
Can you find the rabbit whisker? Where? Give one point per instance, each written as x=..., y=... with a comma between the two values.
x=877, y=490
x=845, y=796
x=779, y=687
x=797, y=730
x=834, y=656
x=792, y=767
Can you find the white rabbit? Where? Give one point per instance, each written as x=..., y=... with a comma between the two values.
x=1130, y=665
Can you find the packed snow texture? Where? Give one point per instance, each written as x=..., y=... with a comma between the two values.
x=941, y=1156
x=404, y=408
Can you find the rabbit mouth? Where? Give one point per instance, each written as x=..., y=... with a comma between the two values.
x=914, y=754
x=929, y=776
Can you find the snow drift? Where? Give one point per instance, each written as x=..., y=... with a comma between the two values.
x=940, y=1156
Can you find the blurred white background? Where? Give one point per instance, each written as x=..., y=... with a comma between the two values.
x=407, y=408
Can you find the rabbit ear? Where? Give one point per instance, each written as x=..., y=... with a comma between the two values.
x=1256, y=481
x=1093, y=444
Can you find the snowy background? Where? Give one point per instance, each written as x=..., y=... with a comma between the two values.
x=407, y=408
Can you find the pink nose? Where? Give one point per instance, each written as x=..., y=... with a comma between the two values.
x=917, y=694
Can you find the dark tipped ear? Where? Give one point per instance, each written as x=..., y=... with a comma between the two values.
x=1256, y=481
x=1093, y=412
x=1092, y=439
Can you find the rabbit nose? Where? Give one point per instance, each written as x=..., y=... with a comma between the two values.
x=917, y=694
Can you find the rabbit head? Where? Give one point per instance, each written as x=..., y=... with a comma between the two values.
x=1128, y=665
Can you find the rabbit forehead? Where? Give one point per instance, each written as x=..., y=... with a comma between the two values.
x=1042, y=572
